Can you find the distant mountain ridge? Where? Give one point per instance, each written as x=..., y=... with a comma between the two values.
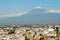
x=35, y=16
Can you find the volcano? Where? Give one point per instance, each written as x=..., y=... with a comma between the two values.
x=34, y=16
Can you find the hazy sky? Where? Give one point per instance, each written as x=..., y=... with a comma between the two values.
x=16, y=6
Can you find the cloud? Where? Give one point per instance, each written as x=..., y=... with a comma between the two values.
x=13, y=15
x=53, y=11
x=38, y=7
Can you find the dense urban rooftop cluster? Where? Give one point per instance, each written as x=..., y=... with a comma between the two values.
x=30, y=32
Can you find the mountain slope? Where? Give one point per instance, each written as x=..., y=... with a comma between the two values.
x=35, y=16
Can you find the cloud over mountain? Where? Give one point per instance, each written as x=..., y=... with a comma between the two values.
x=13, y=15
x=53, y=11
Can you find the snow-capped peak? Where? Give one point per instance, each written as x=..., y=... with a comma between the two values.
x=38, y=7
